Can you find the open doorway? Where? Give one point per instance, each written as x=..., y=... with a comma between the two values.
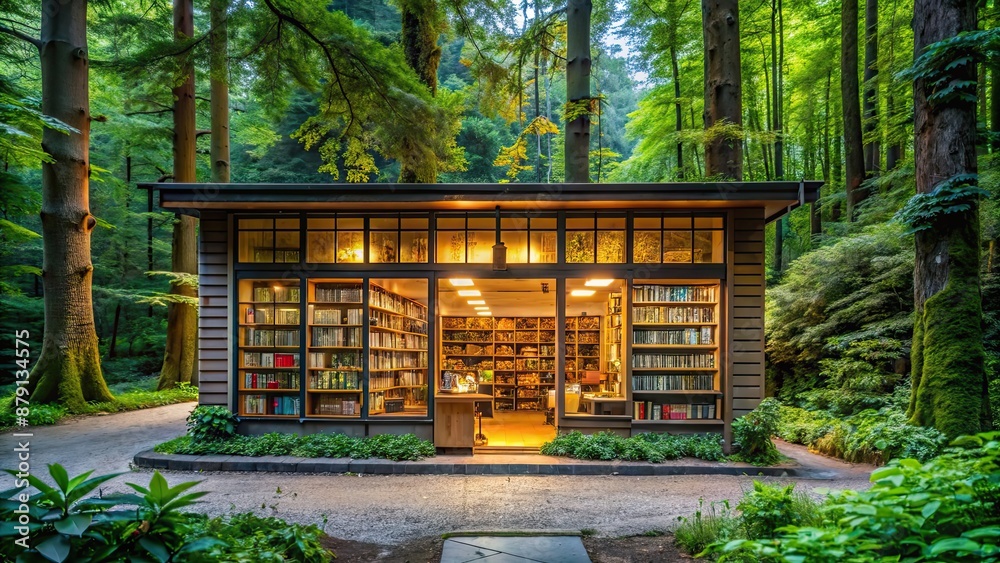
x=499, y=335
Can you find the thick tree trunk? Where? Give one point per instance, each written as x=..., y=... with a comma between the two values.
x=723, y=91
x=851, y=104
x=816, y=211
x=837, y=170
x=179, y=361
x=68, y=369
x=423, y=55
x=948, y=374
x=219, y=85
x=578, y=89
x=872, y=154
x=777, y=43
x=995, y=104
x=675, y=76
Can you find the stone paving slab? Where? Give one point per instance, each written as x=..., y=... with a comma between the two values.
x=514, y=549
x=522, y=464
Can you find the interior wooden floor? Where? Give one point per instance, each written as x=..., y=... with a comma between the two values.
x=517, y=429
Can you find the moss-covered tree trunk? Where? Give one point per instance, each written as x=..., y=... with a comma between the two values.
x=948, y=376
x=420, y=30
x=69, y=366
x=179, y=358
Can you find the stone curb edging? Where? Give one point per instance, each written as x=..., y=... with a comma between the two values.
x=290, y=464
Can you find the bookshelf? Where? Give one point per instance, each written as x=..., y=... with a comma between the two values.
x=613, y=342
x=583, y=346
x=269, y=369
x=675, y=354
x=397, y=361
x=335, y=349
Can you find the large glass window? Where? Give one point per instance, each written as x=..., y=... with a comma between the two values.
x=673, y=238
x=470, y=238
x=595, y=238
x=593, y=351
x=335, y=240
x=268, y=240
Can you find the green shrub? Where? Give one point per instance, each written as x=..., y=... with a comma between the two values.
x=654, y=448
x=765, y=509
x=388, y=446
x=249, y=537
x=945, y=510
x=206, y=424
x=706, y=526
x=752, y=434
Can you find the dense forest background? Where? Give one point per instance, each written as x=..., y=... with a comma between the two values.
x=825, y=97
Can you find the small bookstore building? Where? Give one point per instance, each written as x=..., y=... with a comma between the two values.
x=525, y=309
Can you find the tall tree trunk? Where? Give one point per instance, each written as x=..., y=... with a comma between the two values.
x=894, y=152
x=423, y=55
x=182, y=318
x=871, y=150
x=113, y=347
x=837, y=171
x=697, y=160
x=675, y=76
x=776, y=72
x=851, y=104
x=219, y=84
x=948, y=373
x=578, y=89
x=995, y=104
x=769, y=113
x=816, y=211
x=723, y=91
x=68, y=369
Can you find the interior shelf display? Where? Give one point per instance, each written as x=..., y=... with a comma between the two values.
x=675, y=354
x=583, y=347
x=520, y=351
x=269, y=371
x=398, y=362
x=335, y=370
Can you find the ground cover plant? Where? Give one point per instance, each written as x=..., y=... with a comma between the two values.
x=152, y=524
x=654, y=448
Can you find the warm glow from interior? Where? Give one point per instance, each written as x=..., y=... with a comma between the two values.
x=477, y=301
x=485, y=314
x=598, y=283
x=482, y=308
x=582, y=292
x=460, y=282
x=469, y=293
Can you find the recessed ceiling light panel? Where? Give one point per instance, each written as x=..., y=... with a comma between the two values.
x=460, y=282
x=582, y=292
x=469, y=293
x=598, y=283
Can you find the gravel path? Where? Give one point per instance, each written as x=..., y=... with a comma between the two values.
x=391, y=509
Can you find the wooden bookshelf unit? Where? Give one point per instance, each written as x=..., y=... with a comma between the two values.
x=675, y=354
x=269, y=369
x=398, y=362
x=334, y=377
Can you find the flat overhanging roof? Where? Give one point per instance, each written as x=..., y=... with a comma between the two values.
x=776, y=198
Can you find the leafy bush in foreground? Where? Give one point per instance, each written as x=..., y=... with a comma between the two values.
x=706, y=526
x=207, y=423
x=947, y=510
x=388, y=446
x=752, y=434
x=654, y=448
x=765, y=509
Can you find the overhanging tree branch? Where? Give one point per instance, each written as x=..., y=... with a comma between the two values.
x=22, y=36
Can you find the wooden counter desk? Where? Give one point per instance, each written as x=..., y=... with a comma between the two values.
x=455, y=420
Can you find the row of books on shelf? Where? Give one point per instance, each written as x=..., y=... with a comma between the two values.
x=269, y=337
x=588, y=337
x=279, y=294
x=383, y=359
x=395, y=322
x=271, y=315
x=270, y=360
x=380, y=402
x=396, y=340
x=647, y=361
x=648, y=410
x=335, y=379
x=338, y=317
x=338, y=292
x=336, y=336
x=397, y=379
x=335, y=359
x=701, y=335
x=332, y=405
x=704, y=382
x=271, y=380
x=680, y=294
x=284, y=405
x=379, y=297
x=669, y=314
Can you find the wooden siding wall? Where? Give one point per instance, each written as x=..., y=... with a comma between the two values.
x=746, y=344
x=214, y=329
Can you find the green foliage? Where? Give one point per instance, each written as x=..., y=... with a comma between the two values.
x=255, y=539
x=207, y=424
x=947, y=509
x=405, y=447
x=954, y=195
x=752, y=434
x=67, y=525
x=945, y=65
x=765, y=509
x=654, y=448
x=46, y=414
x=706, y=526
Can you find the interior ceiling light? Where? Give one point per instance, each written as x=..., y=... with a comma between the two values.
x=598, y=283
x=460, y=282
x=477, y=301
x=485, y=314
x=482, y=308
x=582, y=292
x=469, y=293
